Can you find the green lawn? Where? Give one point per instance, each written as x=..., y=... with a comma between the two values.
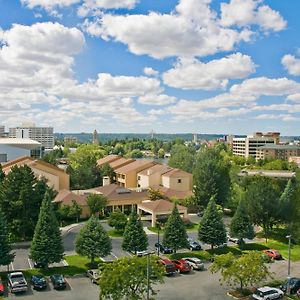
x=115, y=233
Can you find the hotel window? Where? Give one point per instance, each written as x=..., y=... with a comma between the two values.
x=179, y=181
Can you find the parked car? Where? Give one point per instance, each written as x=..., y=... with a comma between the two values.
x=1, y=287
x=235, y=240
x=163, y=249
x=182, y=265
x=298, y=293
x=141, y=253
x=39, y=265
x=274, y=254
x=200, y=213
x=195, y=263
x=94, y=275
x=170, y=267
x=294, y=285
x=267, y=293
x=58, y=281
x=194, y=245
x=38, y=282
x=17, y=282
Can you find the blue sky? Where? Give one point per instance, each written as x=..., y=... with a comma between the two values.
x=205, y=66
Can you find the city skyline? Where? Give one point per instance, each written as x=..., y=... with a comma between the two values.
x=136, y=66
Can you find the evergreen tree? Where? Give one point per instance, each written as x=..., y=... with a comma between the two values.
x=2, y=175
x=6, y=257
x=285, y=202
x=92, y=240
x=211, y=228
x=46, y=246
x=241, y=226
x=135, y=238
x=175, y=235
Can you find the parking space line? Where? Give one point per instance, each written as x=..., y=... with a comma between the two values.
x=64, y=262
x=130, y=254
x=30, y=264
x=12, y=266
x=69, y=284
x=115, y=256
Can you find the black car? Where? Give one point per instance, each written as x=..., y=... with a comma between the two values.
x=163, y=249
x=194, y=245
x=39, y=265
x=294, y=285
x=58, y=281
x=38, y=282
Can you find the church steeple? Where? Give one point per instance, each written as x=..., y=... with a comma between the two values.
x=95, y=137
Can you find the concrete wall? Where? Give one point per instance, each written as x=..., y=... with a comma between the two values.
x=149, y=180
x=173, y=183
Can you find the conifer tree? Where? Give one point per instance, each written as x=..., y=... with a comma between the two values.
x=46, y=246
x=175, y=235
x=2, y=175
x=285, y=201
x=241, y=226
x=135, y=238
x=211, y=228
x=6, y=257
x=92, y=240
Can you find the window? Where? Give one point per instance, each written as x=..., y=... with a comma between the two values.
x=178, y=180
x=139, y=177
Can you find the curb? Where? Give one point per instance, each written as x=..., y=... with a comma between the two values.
x=64, y=232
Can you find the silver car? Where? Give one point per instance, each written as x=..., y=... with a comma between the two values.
x=94, y=275
x=267, y=293
x=195, y=263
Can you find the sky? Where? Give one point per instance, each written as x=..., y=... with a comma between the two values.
x=197, y=66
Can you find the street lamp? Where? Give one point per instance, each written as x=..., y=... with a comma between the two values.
x=158, y=245
x=289, y=237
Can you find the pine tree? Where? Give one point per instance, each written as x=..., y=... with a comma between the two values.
x=285, y=201
x=46, y=246
x=135, y=238
x=2, y=175
x=211, y=228
x=241, y=226
x=6, y=257
x=92, y=240
x=175, y=235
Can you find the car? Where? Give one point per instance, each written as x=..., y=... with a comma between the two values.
x=58, y=281
x=94, y=275
x=200, y=213
x=39, y=265
x=195, y=263
x=267, y=293
x=17, y=282
x=182, y=265
x=38, y=282
x=194, y=245
x=141, y=253
x=1, y=287
x=163, y=249
x=294, y=284
x=235, y=240
x=298, y=293
x=170, y=267
x=274, y=254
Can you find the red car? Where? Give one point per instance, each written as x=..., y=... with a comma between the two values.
x=170, y=267
x=182, y=265
x=273, y=253
x=1, y=287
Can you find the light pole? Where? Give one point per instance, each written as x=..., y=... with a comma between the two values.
x=158, y=244
x=289, y=237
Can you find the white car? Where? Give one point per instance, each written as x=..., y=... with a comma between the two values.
x=94, y=275
x=195, y=263
x=267, y=293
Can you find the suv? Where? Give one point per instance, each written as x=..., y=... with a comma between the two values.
x=267, y=293
x=194, y=245
x=93, y=275
x=1, y=287
x=294, y=285
x=17, y=282
x=163, y=249
x=170, y=268
x=182, y=265
x=38, y=282
x=195, y=263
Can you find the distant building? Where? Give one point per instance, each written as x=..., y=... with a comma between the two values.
x=295, y=159
x=2, y=131
x=195, y=138
x=70, y=140
x=12, y=148
x=43, y=135
x=283, y=152
x=95, y=137
x=268, y=173
x=248, y=146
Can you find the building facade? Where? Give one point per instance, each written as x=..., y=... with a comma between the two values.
x=283, y=152
x=2, y=131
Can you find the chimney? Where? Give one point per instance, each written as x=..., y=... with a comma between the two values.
x=105, y=180
x=149, y=172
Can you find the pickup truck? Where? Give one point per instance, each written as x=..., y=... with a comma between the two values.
x=17, y=282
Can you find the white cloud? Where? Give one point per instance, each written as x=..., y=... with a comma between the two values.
x=150, y=71
x=157, y=112
x=283, y=117
x=48, y=4
x=291, y=64
x=294, y=97
x=193, y=74
x=154, y=99
x=251, y=12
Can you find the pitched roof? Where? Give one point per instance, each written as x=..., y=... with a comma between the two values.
x=121, y=162
x=176, y=173
x=169, y=193
x=136, y=165
x=161, y=206
x=107, y=159
x=66, y=197
x=161, y=169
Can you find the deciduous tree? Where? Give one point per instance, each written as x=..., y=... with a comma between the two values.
x=96, y=203
x=118, y=220
x=182, y=157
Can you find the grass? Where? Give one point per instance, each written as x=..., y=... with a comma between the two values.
x=115, y=233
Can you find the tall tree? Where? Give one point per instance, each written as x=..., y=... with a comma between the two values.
x=107, y=170
x=211, y=228
x=241, y=226
x=118, y=220
x=211, y=177
x=92, y=240
x=75, y=211
x=6, y=255
x=2, y=174
x=175, y=235
x=286, y=201
x=46, y=246
x=96, y=203
x=135, y=238
x=182, y=157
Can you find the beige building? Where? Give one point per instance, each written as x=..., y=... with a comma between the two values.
x=56, y=177
x=295, y=159
x=126, y=176
x=248, y=146
x=283, y=152
x=177, y=180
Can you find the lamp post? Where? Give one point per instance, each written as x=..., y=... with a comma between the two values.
x=158, y=229
x=289, y=237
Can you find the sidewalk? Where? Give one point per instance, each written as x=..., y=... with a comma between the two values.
x=65, y=230
x=148, y=231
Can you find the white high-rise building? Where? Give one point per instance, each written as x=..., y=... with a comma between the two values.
x=43, y=135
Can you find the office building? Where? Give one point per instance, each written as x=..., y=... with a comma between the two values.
x=283, y=152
